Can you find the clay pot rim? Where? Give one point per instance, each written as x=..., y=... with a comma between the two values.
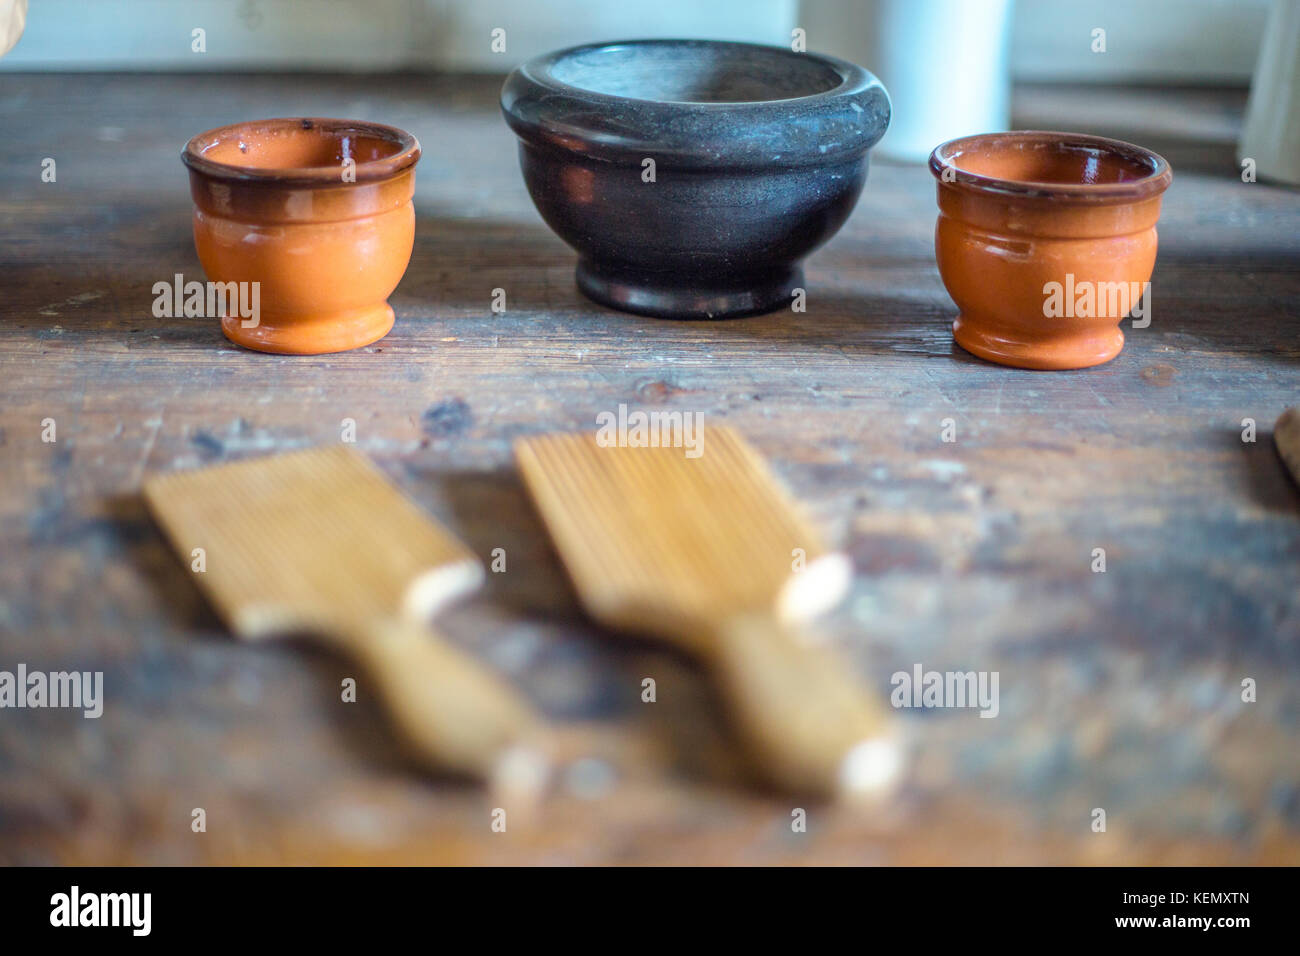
x=544, y=110
x=1152, y=184
x=370, y=171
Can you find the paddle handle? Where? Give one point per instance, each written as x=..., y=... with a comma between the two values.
x=809, y=727
x=455, y=714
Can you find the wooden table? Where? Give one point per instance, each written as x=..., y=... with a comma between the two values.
x=1118, y=690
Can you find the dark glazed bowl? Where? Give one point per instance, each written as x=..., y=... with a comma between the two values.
x=759, y=155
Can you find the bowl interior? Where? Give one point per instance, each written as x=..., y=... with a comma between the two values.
x=1056, y=162
x=687, y=72
x=297, y=145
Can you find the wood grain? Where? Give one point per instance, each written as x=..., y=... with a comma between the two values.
x=309, y=539
x=1120, y=690
x=653, y=536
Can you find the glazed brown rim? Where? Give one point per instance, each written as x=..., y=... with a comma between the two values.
x=370, y=171
x=1152, y=184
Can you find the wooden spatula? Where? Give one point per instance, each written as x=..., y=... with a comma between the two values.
x=1286, y=435
x=702, y=551
x=319, y=542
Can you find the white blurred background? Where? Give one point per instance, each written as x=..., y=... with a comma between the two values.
x=949, y=65
x=1188, y=41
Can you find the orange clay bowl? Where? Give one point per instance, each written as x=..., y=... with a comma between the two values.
x=277, y=202
x=1028, y=221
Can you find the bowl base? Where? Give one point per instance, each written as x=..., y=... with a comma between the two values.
x=312, y=335
x=1082, y=350
x=646, y=293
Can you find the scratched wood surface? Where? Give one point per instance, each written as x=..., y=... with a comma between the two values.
x=1118, y=690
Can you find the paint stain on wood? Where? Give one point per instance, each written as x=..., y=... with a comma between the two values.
x=1160, y=375
x=446, y=419
x=209, y=445
x=659, y=391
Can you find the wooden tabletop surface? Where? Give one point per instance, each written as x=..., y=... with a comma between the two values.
x=1119, y=690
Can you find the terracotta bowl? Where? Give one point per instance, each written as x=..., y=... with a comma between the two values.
x=277, y=203
x=1036, y=233
x=692, y=176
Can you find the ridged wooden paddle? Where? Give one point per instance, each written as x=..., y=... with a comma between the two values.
x=318, y=542
x=702, y=552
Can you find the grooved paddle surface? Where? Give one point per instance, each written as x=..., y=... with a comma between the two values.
x=642, y=529
x=311, y=537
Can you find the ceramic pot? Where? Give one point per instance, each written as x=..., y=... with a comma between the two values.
x=693, y=176
x=1046, y=241
x=319, y=213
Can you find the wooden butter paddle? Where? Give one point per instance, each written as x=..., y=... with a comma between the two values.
x=1286, y=435
x=701, y=551
x=319, y=542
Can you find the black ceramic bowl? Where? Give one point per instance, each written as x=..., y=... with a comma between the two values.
x=759, y=154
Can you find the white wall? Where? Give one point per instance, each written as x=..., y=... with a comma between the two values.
x=461, y=30
x=1184, y=40
x=156, y=34
x=362, y=34
x=1181, y=40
